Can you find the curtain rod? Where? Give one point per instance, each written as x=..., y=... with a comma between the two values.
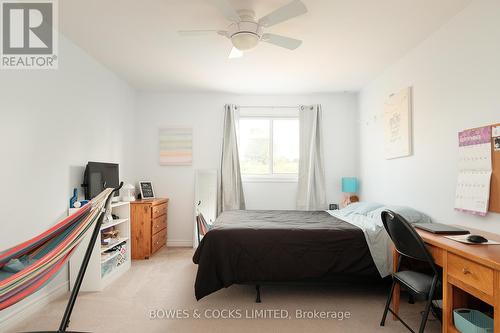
x=268, y=107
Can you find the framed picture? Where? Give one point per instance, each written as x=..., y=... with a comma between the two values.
x=398, y=125
x=147, y=191
x=497, y=143
x=176, y=146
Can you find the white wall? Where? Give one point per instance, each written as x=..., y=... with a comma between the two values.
x=204, y=113
x=455, y=76
x=51, y=124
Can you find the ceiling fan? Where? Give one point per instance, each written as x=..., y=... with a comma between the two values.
x=245, y=31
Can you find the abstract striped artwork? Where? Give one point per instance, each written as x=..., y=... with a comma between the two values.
x=176, y=146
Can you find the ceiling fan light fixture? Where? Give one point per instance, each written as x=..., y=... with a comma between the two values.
x=245, y=31
x=245, y=40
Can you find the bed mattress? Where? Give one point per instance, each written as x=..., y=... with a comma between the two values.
x=279, y=246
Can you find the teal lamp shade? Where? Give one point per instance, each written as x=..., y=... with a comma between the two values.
x=349, y=184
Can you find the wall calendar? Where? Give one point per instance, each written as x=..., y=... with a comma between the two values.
x=475, y=169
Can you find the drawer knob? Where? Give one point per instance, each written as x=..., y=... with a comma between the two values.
x=466, y=271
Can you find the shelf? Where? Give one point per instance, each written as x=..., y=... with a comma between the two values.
x=119, y=203
x=115, y=222
x=115, y=272
x=107, y=247
x=110, y=257
x=99, y=262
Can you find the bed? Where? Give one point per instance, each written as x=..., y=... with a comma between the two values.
x=257, y=247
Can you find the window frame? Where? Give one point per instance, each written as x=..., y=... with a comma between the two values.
x=271, y=176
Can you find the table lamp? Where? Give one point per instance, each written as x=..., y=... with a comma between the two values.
x=349, y=187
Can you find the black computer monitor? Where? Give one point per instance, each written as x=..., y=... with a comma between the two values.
x=99, y=176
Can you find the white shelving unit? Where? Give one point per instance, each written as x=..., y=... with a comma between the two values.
x=103, y=269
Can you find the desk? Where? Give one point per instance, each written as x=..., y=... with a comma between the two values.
x=467, y=270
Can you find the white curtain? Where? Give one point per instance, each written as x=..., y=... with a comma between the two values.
x=311, y=187
x=231, y=189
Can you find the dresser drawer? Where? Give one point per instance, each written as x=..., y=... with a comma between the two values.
x=159, y=240
x=471, y=273
x=159, y=223
x=159, y=210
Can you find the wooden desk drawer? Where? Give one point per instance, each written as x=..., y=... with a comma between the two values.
x=471, y=273
x=159, y=224
x=436, y=253
x=159, y=240
x=159, y=210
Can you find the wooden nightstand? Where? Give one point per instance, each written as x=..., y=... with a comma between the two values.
x=148, y=227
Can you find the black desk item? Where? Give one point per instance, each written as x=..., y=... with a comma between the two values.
x=442, y=229
x=477, y=239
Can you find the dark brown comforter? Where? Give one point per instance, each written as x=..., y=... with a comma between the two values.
x=279, y=246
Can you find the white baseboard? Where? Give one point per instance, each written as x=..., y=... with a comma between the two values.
x=179, y=243
x=30, y=305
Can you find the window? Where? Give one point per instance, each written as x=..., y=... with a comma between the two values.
x=269, y=147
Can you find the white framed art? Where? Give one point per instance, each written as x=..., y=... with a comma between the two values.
x=176, y=146
x=398, y=124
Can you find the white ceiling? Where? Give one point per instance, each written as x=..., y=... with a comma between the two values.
x=346, y=42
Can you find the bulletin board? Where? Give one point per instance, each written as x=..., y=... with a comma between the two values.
x=495, y=176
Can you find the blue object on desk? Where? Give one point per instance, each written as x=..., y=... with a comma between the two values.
x=349, y=184
x=73, y=199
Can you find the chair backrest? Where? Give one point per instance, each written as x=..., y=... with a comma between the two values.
x=406, y=240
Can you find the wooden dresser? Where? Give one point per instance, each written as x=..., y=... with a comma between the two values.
x=148, y=226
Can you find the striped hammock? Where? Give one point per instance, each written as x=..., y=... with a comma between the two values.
x=29, y=266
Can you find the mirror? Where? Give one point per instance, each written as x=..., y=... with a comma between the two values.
x=205, y=197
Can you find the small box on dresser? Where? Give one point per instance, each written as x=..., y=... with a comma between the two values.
x=149, y=227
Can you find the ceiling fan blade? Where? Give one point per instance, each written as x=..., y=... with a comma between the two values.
x=196, y=33
x=235, y=53
x=282, y=41
x=291, y=10
x=225, y=7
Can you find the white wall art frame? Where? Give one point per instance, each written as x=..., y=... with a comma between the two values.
x=398, y=124
x=176, y=146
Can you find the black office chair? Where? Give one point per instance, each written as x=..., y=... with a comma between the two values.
x=409, y=244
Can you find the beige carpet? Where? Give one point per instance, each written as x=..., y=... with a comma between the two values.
x=165, y=282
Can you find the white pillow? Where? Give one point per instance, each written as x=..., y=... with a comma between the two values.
x=362, y=207
x=411, y=215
